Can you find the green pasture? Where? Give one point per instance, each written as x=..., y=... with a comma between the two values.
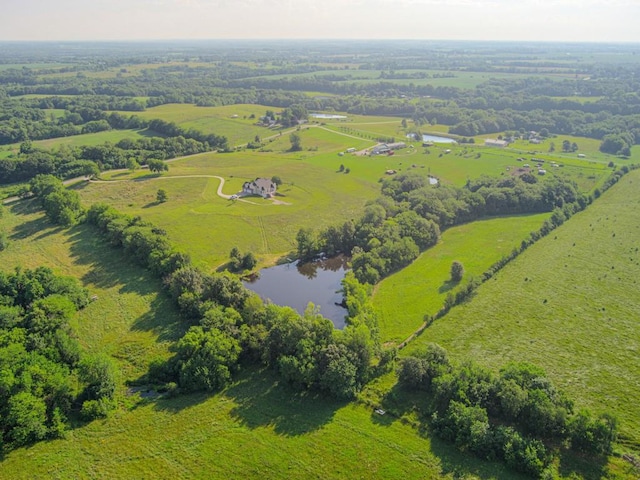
x=569, y=304
x=257, y=428
x=87, y=139
x=231, y=121
x=422, y=286
x=313, y=195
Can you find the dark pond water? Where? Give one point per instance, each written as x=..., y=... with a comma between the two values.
x=295, y=285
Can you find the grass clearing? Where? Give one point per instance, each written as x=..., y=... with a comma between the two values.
x=568, y=304
x=231, y=121
x=425, y=283
x=88, y=139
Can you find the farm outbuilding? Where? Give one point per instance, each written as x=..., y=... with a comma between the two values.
x=494, y=142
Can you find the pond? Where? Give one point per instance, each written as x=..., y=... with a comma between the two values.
x=327, y=116
x=297, y=284
x=437, y=139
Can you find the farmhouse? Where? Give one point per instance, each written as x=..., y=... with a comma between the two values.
x=493, y=142
x=260, y=186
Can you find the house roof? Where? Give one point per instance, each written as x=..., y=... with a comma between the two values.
x=263, y=184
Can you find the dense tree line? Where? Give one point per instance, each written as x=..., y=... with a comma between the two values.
x=411, y=213
x=44, y=375
x=230, y=326
x=512, y=417
x=88, y=160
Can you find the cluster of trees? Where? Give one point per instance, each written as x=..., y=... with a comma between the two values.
x=618, y=144
x=484, y=196
x=409, y=216
x=43, y=374
x=507, y=417
x=62, y=206
x=239, y=262
x=230, y=325
x=25, y=119
x=385, y=239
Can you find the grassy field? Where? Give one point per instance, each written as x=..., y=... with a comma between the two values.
x=130, y=319
x=208, y=226
x=254, y=429
x=314, y=193
x=568, y=304
x=232, y=121
x=112, y=136
x=424, y=284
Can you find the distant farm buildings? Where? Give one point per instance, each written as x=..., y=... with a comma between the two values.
x=494, y=142
x=386, y=148
x=260, y=186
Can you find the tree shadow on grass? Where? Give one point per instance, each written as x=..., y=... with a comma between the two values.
x=447, y=286
x=109, y=267
x=396, y=403
x=156, y=320
x=40, y=225
x=587, y=467
x=264, y=400
x=457, y=464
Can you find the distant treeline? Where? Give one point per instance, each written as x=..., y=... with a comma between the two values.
x=72, y=161
x=495, y=105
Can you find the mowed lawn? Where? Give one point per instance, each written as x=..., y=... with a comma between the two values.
x=403, y=299
x=570, y=304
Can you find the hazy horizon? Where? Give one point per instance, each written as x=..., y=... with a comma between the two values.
x=587, y=21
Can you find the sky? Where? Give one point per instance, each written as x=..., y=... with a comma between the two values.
x=525, y=20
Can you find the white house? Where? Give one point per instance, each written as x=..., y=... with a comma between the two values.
x=260, y=186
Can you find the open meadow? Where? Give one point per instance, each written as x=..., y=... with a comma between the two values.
x=569, y=304
x=425, y=283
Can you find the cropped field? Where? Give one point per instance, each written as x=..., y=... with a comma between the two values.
x=568, y=304
x=425, y=283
